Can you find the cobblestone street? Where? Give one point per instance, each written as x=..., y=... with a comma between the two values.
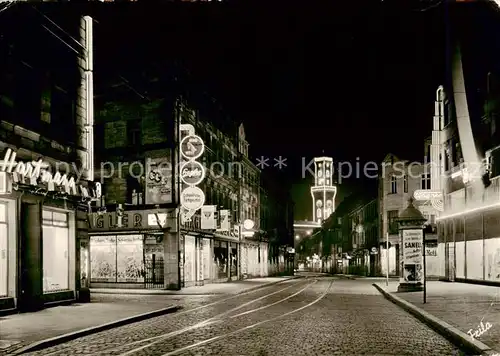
x=316, y=315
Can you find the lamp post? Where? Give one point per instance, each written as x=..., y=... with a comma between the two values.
x=412, y=242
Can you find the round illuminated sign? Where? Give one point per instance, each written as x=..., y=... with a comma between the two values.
x=192, y=147
x=248, y=224
x=192, y=173
x=192, y=198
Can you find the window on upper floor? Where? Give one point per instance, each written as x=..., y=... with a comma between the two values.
x=394, y=184
x=392, y=223
x=405, y=184
x=45, y=106
x=115, y=134
x=431, y=219
x=134, y=133
x=425, y=181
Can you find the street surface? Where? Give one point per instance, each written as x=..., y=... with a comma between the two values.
x=316, y=315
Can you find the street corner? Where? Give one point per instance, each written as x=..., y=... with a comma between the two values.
x=448, y=331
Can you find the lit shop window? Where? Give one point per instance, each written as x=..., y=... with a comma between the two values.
x=117, y=259
x=55, y=251
x=3, y=250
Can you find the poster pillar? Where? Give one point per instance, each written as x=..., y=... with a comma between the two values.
x=411, y=234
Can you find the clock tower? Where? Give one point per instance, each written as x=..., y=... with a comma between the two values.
x=323, y=191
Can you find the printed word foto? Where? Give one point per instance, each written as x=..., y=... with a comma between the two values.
x=481, y=329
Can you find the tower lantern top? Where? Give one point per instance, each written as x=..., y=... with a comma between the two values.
x=323, y=191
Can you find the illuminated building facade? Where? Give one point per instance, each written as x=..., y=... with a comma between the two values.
x=466, y=142
x=323, y=192
x=44, y=194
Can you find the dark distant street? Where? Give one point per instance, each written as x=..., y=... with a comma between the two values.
x=316, y=315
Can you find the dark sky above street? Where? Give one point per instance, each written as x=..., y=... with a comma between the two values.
x=306, y=80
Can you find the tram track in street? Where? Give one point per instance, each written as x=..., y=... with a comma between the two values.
x=214, y=320
x=307, y=281
x=249, y=327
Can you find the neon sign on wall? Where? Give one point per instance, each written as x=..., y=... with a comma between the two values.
x=36, y=172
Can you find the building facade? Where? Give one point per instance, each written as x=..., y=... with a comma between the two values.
x=276, y=216
x=45, y=192
x=347, y=241
x=467, y=155
x=399, y=181
x=222, y=241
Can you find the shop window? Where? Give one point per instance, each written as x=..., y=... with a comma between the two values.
x=55, y=251
x=392, y=223
x=3, y=250
x=234, y=259
x=220, y=258
x=117, y=259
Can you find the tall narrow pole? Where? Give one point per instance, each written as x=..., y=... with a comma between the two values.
x=387, y=258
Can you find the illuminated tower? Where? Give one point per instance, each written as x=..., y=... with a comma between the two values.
x=323, y=192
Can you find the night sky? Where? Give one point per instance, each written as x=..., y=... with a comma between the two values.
x=305, y=80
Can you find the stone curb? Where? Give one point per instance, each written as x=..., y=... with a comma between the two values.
x=57, y=340
x=448, y=331
x=166, y=292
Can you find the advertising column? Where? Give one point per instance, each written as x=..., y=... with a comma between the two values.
x=412, y=257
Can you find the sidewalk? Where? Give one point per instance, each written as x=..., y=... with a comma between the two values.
x=353, y=276
x=109, y=309
x=235, y=287
x=461, y=305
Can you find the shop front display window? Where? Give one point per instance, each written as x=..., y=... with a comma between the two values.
x=234, y=259
x=55, y=251
x=3, y=250
x=189, y=258
x=117, y=259
x=221, y=258
x=84, y=264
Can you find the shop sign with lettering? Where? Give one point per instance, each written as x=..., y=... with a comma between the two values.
x=36, y=173
x=192, y=198
x=192, y=173
x=192, y=147
x=131, y=220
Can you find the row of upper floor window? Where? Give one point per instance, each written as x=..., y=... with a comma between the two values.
x=41, y=102
x=368, y=212
x=220, y=158
x=402, y=182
